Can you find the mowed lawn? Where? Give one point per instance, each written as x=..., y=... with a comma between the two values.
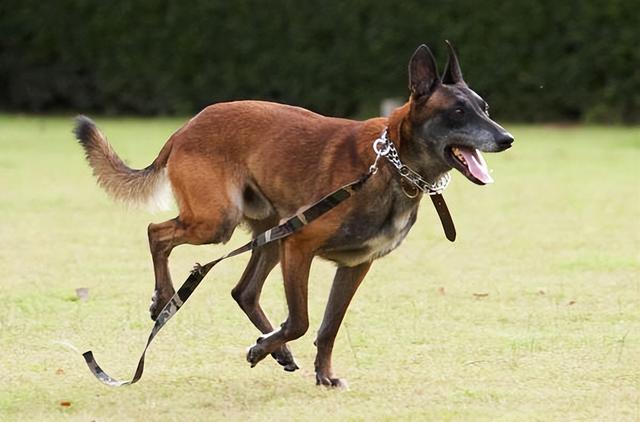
x=532, y=314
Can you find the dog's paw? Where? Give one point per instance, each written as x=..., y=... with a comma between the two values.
x=158, y=302
x=256, y=352
x=284, y=357
x=340, y=383
x=153, y=308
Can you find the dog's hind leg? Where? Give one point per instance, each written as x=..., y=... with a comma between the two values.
x=165, y=236
x=207, y=215
x=345, y=284
x=162, y=239
x=247, y=294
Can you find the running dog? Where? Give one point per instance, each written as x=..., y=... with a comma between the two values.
x=257, y=162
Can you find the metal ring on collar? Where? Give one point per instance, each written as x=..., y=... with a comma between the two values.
x=385, y=146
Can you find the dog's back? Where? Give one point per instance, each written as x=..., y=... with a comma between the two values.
x=260, y=150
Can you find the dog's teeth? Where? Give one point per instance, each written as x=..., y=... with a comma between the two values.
x=458, y=154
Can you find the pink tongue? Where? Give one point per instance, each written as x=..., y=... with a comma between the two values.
x=477, y=165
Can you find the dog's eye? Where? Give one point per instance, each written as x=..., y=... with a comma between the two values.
x=459, y=111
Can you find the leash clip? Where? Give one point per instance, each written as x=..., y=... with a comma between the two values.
x=381, y=147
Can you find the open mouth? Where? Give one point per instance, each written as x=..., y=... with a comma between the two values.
x=470, y=162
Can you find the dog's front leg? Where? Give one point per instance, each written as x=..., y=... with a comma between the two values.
x=345, y=283
x=295, y=259
x=247, y=294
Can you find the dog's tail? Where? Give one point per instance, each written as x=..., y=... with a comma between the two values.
x=148, y=187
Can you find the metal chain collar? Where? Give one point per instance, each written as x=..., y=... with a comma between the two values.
x=383, y=147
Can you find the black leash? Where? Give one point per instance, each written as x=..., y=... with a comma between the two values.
x=281, y=231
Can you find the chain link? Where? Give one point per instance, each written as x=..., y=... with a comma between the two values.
x=383, y=147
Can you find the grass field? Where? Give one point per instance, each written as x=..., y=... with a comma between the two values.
x=533, y=314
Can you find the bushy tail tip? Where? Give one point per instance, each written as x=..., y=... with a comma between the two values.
x=84, y=128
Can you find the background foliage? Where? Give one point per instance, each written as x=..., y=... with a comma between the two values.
x=533, y=61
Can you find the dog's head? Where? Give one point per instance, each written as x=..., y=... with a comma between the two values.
x=449, y=122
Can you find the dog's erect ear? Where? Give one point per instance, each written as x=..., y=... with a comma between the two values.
x=452, y=73
x=423, y=72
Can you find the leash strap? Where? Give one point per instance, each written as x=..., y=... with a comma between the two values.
x=445, y=216
x=281, y=231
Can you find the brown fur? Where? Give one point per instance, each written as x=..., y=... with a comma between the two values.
x=258, y=162
x=114, y=176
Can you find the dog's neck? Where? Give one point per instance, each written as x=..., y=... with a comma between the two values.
x=401, y=134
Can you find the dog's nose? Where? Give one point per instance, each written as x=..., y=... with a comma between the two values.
x=505, y=140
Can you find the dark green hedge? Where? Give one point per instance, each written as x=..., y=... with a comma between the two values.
x=533, y=60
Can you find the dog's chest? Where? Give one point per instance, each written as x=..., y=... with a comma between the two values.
x=390, y=237
x=371, y=233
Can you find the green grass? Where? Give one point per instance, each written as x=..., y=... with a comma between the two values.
x=554, y=243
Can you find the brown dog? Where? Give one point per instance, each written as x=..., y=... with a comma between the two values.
x=258, y=162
